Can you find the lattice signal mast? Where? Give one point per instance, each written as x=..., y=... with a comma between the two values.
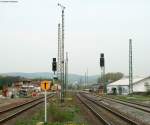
x=62, y=53
x=59, y=53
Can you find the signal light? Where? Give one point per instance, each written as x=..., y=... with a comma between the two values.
x=54, y=65
x=102, y=60
x=102, y=55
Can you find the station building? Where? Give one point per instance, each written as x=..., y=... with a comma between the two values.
x=121, y=87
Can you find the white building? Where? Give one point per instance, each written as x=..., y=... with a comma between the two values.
x=121, y=86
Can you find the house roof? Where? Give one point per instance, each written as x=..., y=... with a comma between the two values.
x=142, y=80
x=125, y=81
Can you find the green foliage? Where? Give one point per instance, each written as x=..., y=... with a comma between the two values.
x=57, y=123
x=36, y=79
x=60, y=115
x=148, y=92
x=8, y=80
x=110, y=77
x=35, y=118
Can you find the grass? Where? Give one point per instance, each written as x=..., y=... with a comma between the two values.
x=61, y=114
x=67, y=113
x=33, y=120
x=58, y=114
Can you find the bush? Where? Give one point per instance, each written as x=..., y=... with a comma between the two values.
x=59, y=114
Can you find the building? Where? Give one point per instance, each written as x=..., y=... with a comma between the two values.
x=142, y=85
x=95, y=87
x=121, y=86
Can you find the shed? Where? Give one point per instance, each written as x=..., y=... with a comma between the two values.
x=140, y=84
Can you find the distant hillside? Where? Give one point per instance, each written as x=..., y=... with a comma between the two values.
x=30, y=75
x=72, y=77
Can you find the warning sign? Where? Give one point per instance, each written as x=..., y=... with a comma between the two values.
x=45, y=85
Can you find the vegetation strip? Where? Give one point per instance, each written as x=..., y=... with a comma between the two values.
x=66, y=113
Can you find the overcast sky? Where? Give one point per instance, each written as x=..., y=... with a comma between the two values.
x=28, y=35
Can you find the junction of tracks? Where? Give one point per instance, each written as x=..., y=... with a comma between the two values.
x=95, y=109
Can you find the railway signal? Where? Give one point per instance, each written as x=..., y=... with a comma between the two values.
x=54, y=65
x=102, y=60
x=102, y=65
x=45, y=85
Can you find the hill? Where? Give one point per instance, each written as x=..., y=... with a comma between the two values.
x=73, y=78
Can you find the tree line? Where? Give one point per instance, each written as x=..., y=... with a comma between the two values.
x=8, y=80
x=110, y=77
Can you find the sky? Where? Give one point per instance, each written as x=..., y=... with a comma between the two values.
x=28, y=35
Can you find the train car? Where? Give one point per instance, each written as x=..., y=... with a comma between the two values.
x=26, y=91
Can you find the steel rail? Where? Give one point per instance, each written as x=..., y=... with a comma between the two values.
x=22, y=104
x=134, y=105
x=112, y=111
x=17, y=106
x=12, y=115
x=94, y=112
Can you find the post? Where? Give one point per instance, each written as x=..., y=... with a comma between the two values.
x=63, y=79
x=102, y=65
x=45, y=106
x=85, y=80
x=130, y=68
x=87, y=77
x=45, y=86
x=66, y=72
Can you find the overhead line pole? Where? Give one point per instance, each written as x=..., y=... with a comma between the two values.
x=66, y=72
x=130, y=68
x=87, y=80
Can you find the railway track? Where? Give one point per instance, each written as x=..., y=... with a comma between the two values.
x=93, y=111
x=104, y=113
x=12, y=112
x=136, y=103
x=145, y=108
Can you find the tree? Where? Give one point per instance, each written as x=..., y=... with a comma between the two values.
x=110, y=77
x=8, y=80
